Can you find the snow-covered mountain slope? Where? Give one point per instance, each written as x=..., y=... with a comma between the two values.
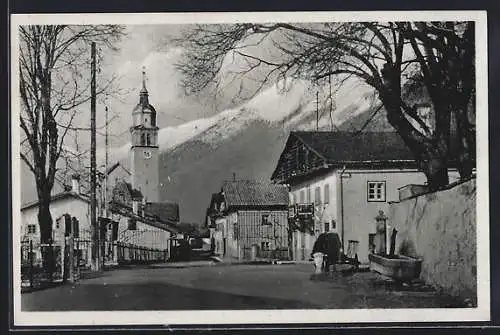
x=291, y=106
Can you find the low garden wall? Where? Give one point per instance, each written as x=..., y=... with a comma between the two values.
x=440, y=228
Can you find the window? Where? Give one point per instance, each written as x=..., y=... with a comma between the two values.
x=132, y=224
x=58, y=223
x=143, y=139
x=326, y=196
x=148, y=139
x=317, y=196
x=327, y=226
x=308, y=195
x=31, y=229
x=265, y=219
x=376, y=191
x=334, y=224
x=301, y=198
x=292, y=199
x=264, y=246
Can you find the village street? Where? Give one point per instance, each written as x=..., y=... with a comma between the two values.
x=205, y=286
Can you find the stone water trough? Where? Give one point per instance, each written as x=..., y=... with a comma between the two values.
x=398, y=267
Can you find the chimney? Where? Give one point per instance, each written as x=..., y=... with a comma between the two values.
x=75, y=183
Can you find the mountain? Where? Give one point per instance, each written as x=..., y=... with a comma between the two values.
x=373, y=119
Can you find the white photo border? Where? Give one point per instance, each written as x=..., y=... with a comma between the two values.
x=230, y=317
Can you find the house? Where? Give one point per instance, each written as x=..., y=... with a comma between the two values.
x=249, y=219
x=69, y=202
x=140, y=223
x=347, y=178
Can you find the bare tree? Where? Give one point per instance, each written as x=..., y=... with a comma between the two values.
x=387, y=56
x=54, y=84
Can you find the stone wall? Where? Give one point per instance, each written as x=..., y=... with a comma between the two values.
x=441, y=229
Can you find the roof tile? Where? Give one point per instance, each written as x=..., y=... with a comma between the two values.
x=254, y=193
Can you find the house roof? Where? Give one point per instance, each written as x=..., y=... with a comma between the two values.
x=59, y=196
x=134, y=193
x=254, y=193
x=335, y=147
x=147, y=218
x=115, y=166
x=163, y=210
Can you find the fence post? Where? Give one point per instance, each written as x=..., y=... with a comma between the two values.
x=78, y=258
x=30, y=257
x=52, y=261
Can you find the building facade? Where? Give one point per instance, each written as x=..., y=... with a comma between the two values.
x=144, y=152
x=248, y=220
x=348, y=178
x=70, y=202
x=142, y=224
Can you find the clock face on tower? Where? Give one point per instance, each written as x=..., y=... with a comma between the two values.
x=147, y=154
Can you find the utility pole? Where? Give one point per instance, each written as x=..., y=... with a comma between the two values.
x=106, y=167
x=317, y=110
x=93, y=172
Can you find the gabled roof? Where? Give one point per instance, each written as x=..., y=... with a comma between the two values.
x=163, y=210
x=336, y=147
x=59, y=196
x=147, y=217
x=251, y=193
x=115, y=166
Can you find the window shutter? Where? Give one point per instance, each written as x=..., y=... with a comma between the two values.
x=67, y=225
x=327, y=194
x=317, y=196
x=115, y=231
x=76, y=228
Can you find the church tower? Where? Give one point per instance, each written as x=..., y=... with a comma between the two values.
x=144, y=151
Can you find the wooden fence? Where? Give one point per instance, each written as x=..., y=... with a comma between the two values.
x=133, y=254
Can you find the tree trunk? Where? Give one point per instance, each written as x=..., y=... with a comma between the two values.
x=435, y=169
x=45, y=224
x=45, y=219
x=430, y=155
x=466, y=145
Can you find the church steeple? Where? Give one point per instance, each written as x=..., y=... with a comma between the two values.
x=143, y=95
x=144, y=152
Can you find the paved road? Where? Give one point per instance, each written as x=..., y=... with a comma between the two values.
x=226, y=287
